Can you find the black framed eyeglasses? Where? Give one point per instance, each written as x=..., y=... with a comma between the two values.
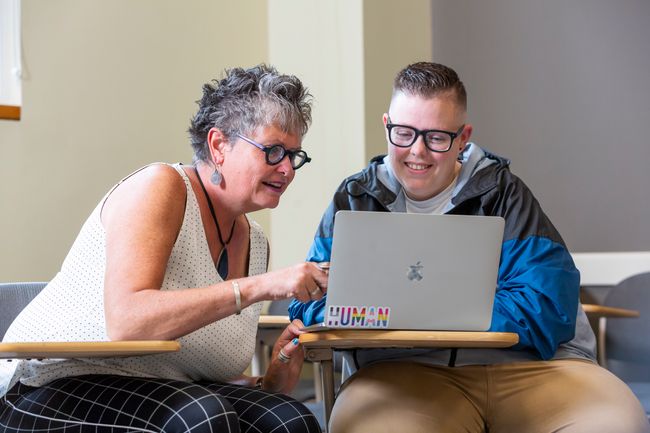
x=436, y=140
x=276, y=153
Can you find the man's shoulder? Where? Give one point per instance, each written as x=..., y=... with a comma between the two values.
x=369, y=171
x=487, y=168
x=365, y=190
x=374, y=179
x=365, y=177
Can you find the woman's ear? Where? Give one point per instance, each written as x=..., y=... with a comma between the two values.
x=217, y=142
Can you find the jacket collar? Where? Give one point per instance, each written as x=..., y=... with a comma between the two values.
x=379, y=181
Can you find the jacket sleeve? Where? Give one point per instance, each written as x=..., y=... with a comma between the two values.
x=538, y=284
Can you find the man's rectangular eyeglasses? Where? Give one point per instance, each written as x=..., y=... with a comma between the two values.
x=436, y=140
x=276, y=153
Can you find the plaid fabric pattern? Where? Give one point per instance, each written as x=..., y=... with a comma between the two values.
x=120, y=404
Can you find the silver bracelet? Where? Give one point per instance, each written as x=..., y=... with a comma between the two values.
x=235, y=288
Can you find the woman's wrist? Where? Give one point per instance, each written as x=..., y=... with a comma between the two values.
x=259, y=382
x=247, y=296
x=267, y=384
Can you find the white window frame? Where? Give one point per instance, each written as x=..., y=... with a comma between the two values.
x=10, y=54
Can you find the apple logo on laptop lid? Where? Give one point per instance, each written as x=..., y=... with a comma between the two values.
x=415, y=272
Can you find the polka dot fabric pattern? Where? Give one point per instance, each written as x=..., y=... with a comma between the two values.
x=71, y=308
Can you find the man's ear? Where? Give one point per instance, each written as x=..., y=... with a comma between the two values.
x=384, y=119
x=465, y=135
x=217, y=142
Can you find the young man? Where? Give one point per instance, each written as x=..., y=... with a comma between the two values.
x=549, y=381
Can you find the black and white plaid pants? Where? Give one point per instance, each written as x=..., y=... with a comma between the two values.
x=119, y=404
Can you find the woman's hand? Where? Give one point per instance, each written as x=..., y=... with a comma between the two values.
x=286, y=361
x=305, y=282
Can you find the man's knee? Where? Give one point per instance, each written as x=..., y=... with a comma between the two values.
x=387, y=397
x=608, y=420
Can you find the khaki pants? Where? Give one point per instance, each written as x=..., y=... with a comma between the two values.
x=529, y=397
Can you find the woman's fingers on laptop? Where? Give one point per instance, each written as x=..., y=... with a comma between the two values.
x=304, y=282
x=314, y=290
x=315, y=282
x=308, y=283
x=316, y=293
x=321, y=277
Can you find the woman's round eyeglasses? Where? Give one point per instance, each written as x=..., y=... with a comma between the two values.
x=436, y=140
x=276, y=153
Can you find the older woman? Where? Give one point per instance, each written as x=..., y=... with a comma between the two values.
x=169, y=253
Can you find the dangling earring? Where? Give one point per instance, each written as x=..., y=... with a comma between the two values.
x=216, y=177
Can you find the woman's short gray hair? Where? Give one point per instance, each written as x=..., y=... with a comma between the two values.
x=246, y=99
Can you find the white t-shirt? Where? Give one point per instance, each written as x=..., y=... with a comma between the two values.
x=436, y=205
x=71, y=308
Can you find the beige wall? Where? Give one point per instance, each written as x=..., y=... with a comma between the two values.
x=347, y=51
x=109, y=86
x=328, y=56
x=392, y=41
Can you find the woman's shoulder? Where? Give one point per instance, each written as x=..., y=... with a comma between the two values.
x=164, y=174
x=160, y=178
x=151, y=186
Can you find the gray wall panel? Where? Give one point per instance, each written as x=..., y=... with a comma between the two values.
x=563, y=90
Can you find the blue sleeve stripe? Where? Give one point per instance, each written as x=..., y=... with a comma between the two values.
x=320, y=251
x=537, y=294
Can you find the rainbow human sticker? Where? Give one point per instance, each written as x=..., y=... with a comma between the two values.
x=351, y=316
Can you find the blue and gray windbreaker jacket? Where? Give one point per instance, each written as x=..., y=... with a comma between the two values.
x=538, y=283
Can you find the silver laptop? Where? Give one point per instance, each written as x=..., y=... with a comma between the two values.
x=411, y=271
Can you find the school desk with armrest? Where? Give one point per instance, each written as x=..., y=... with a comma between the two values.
x=15, y=296
x=319, y=347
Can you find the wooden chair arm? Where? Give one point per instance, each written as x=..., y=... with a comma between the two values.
x=267, y=321
x=594, y=310
x=85, y=349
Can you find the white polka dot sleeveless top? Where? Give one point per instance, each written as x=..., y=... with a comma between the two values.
x=71, y=308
